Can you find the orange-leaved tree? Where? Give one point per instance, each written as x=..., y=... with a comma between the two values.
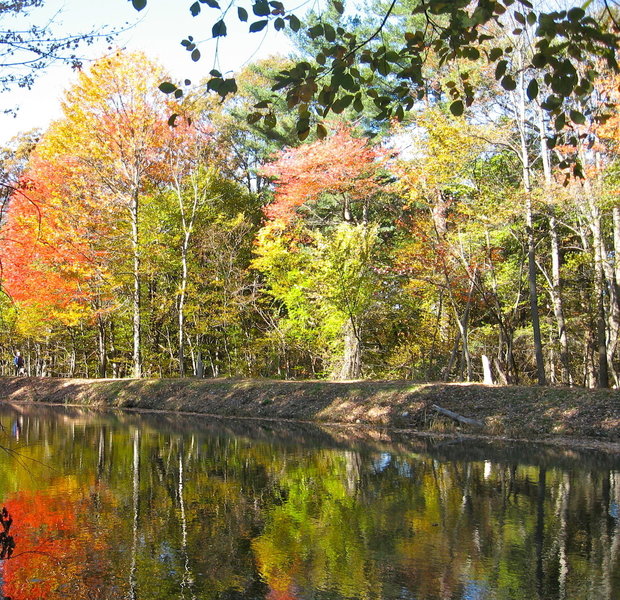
x=114, y=133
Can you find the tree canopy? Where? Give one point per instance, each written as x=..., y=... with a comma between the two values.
x=570, y=46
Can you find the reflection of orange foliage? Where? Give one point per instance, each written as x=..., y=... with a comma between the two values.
x=287, y=594
x=51, y=544
x=278, y=568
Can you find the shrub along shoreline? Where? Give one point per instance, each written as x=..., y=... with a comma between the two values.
x=516, y=412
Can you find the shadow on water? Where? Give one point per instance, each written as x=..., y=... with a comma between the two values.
x=358, y=438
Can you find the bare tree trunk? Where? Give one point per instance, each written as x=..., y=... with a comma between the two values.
x=463, y=323
x=136, y=298
x=529, y=226
x=555, y=292
x=352, y=356
x=102, y=343
x=182, y=292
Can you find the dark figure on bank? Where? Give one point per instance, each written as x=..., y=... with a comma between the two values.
x=18, y=362
x=7, y=543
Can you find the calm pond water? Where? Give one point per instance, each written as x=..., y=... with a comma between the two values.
x=121, y=505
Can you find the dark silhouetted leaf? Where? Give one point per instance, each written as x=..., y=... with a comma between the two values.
x=294, y=22
x=219, y=29
x=508, y=83
x=576, y=14
x=258, y=26
x=577, y=117
x=261, y=8
x=457, y=108
x=500, y=69
x=167, y=88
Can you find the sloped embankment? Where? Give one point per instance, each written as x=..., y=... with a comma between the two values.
x=515, y=411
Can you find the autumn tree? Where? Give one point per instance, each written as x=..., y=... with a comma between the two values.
x=323, y=205
x=113, y=129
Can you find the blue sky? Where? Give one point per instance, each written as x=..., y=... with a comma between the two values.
x=157, y=30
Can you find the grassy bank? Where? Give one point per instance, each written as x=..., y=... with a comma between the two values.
x=511, y=411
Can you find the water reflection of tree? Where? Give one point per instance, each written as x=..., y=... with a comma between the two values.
x=217, y=516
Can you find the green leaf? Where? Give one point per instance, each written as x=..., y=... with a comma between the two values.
x=532, y=89
x=500, y=69
x=576, y=14
x=167, y=88
x=278, y=7
x=195, y=55
x=560, y=122
x=552, y=103
x=339, y=6
x=294, y=22
x=519, y=18
x=258, y=25
x=261, y=8
x=278, y=24
x=242, y=14
x=321, y=131
x=508, y=83
x=194, y=9
x=178, y=93
x=330, y=33
x=531, y=18
x=315, y=31
x=172, y=119
x=211, y=3
x=457, y=108
x=229, y=86
x=215, y=84
x=254, y=118
x=219, y=29
x=539, y=60
x=138, y=4
x=339, y=105
x=577, y=117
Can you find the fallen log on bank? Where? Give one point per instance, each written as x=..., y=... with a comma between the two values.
x=456, y=416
